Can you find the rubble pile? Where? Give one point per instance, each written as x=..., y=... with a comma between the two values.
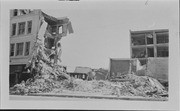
x=139, y=86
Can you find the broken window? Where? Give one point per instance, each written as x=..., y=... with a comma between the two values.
x=29, y=27
x=21, y=28
x=12, y=50
x=138, y=52
x=27, y=47
x=22, y=12
x=54, y=30
x=60, y=29
x=13, y=29
x=150, y=51
x=49, y=43
x=162, y=51
x=149, y=38
x=19, y=49
x=162, y=37
x=15, y=12
x=138, y=39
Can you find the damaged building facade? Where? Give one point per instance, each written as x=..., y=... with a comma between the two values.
x=149, y=51
x=151, y=48
x=29, y=28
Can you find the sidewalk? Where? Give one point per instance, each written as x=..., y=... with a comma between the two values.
x=135, y=98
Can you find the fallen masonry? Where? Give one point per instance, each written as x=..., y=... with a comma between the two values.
x=138, y=86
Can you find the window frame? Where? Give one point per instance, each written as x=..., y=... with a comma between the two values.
x=27, y=49
x=12, y=49
x=162, y=38
x=162, y=49
x=15, y=12
x=18, y=49
x=12, y=30
x=19, y=28
x=29, y=27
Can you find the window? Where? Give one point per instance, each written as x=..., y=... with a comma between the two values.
x=150, y=51
x=162, y=51
x=49, y=43
x=19, y=49
x=149, y=38
x=13, y=29
x=21, y=28
x=139, y=52
x=162, y=37
x=29, y=27
x=15, y=13
x=12, y=50
x=27, y=47
x=60, y=29
x=138, y=39
x=54, y=29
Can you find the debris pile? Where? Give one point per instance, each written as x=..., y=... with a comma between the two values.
x=139, y=86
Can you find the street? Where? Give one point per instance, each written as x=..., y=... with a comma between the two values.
x=19, y=97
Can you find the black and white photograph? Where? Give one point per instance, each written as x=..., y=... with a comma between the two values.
x=82, y=54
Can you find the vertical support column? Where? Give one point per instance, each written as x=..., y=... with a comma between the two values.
x=146, y=56
x=26, y=27
x=130, y=43
x=146, y=45
x=17, y=28
x=155, y=42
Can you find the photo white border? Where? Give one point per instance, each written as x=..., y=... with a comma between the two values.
x=171, y=104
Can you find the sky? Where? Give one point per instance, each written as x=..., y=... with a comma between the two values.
x=101, y=28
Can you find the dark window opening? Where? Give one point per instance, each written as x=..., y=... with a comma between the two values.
x=15, y=12
x=138, y=52
x=162, y=37
x=149, y=38
x=21, y=28
x=23, y=12
x=49, y=43
x=12, y=50
x=138, y=39
x=27, y=48
x=54, y=30
x=13, y=29
x=19, y=49
x=29, y=27
x=162, y=52
x=150, y=51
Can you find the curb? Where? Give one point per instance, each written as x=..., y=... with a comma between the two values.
x=100, y=97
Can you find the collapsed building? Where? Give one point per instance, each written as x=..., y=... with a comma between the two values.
x=35, y=57
x=31, y=33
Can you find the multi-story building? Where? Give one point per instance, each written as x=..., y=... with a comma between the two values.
x=24, y=28
x=23, y=32
x=151, y=48
x=149, y=51
x=149, y=43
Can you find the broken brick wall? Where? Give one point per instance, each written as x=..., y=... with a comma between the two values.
x=119, y=67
